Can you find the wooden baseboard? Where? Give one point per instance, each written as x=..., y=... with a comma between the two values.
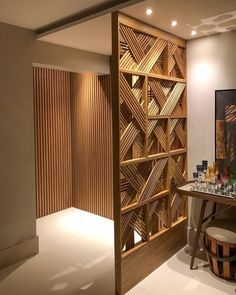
x=139, y=264
x=18, y=252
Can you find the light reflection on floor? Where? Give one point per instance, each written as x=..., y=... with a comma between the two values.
x=76, y=257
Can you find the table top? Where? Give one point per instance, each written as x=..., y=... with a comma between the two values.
x=186, y=190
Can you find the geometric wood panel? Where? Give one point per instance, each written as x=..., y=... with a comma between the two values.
x=177, y=178
x=151, y=114
x=92, y=143
x=52, y=119
x=177, y=61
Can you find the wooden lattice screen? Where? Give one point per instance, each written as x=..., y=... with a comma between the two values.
x=150, y=147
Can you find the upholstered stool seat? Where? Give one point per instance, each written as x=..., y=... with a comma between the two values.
x=223, y=230
x=220, y=244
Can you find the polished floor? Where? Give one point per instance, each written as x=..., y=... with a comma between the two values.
x=76, y=258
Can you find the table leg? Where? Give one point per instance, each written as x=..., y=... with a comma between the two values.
x=197, y=236
x=214, y=210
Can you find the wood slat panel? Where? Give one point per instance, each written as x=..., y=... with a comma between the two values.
x=52, y=116
x=92, y=143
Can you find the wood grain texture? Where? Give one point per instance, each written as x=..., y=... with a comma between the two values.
x=137, y=265
x=216, y=250
x=152, y=119
x=92, y=143
x=53, y=160
x=73, y=142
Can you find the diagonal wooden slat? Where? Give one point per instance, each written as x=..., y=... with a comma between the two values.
x=128, y=138
x=173, y=99
x=176, y=173
x=132, y=41
x=180, y=62
x=158, y=92
x=150, y=185
x=148, y=61
x=181, y=134
x=132, y=103
x=134, y=179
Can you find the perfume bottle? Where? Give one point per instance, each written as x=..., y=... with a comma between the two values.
x=200, y=172
x=204, y=168
x=195, y=178
x=205, y=165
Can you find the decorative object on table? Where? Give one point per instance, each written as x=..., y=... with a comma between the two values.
x=226, y=191
x=208, y=180
x=225, y=132
x=205, y=198
x=220, y=245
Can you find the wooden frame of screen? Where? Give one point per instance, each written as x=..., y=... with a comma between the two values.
x=137, y=263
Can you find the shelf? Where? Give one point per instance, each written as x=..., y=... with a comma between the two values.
x=150, y=75
x=157, y=117
x=179, y=151
x=144, y=159
x=137, y=205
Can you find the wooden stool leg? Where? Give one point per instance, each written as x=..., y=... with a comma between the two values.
x=197, y=236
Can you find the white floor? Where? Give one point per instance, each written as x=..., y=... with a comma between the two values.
x=76, y=257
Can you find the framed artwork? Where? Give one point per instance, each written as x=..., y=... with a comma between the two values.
x=225, y=132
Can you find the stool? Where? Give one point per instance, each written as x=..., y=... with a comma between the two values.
x=220, y=245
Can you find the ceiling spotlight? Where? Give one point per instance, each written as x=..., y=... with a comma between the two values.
x=174, y=23
x=194, y=33
x=149, y=11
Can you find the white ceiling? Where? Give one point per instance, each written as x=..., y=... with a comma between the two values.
x=206, y=16
x=93, y=36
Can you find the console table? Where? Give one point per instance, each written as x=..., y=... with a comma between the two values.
x=205, y=197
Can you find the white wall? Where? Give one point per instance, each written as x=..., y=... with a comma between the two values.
x=211, y=66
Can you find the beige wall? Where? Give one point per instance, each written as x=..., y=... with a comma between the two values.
x=18, y=51
x=70, y=59
x=211, y=66
x=17, y=189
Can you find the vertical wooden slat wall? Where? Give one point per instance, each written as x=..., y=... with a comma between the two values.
x=73, y=142
x=149, y=147
x=53, y=160
x=92, y=143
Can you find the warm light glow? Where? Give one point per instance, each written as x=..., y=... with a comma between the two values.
x=174, y=23
x=149, y=11
x=137, y=237
x=92, y=225
x=194, y=33
x=202, y=72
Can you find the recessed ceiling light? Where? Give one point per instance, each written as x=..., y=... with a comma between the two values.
x=194, y=33
x=174, y=23
x=149, y=11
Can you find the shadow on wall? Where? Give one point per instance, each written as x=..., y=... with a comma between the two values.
x=216, y=24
